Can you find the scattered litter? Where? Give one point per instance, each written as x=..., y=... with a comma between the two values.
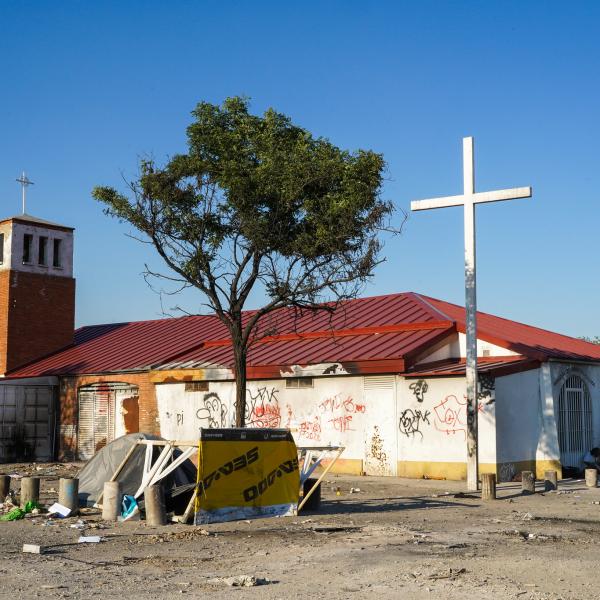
x=89, y=539
x=33, y=549
x=241, y=581
x=449, y=574
x=354, y=490
x=60, y=510
x=527, y=517
x=19, y=513
x=49, y=586
x=79, y=525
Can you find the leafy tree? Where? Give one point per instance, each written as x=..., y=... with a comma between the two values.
x=258, y=201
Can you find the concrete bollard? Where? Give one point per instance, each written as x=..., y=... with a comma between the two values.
x=527, y=482
x=111, y=500
x=488, y=486
x=30, y=490
x=154, y=501
x=68, y=494
x=4, y=486
x=591, y=477
x=550, y=481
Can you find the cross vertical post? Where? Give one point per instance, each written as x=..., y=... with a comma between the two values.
x=24, y=183
x=471, y=314
x=468, y=200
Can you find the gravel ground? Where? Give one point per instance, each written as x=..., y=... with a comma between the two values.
x=396, y=538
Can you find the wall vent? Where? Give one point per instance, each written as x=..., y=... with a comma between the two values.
x=381, y=382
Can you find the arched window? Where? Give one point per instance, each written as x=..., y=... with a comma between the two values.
x=574, y=421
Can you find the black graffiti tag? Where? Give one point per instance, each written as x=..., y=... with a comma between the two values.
x=214, y=411
x=411, y=421
x=419, y=389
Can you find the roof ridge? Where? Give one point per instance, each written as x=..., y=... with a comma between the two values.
x=487, y=314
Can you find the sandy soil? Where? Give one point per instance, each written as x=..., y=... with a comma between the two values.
x=396, y=538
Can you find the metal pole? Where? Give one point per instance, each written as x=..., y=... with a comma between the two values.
x=471, y=314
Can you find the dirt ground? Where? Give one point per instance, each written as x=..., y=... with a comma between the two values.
x=395, y=538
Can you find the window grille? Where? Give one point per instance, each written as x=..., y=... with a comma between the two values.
x=299, y=382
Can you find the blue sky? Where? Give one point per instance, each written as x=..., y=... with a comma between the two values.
x=89, y=87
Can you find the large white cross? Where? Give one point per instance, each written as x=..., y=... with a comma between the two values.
x=469, y=199
x=24, y=183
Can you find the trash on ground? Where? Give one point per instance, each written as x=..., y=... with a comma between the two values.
x=60, y=510
x=89, y=539
x=241, y=581
x=33, y=549
x=19, y=513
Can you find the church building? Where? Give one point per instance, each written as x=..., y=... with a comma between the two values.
x=384, y=377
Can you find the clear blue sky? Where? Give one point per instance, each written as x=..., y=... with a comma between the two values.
x=88, y=87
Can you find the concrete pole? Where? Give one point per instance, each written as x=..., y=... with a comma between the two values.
x=68, y=494
x=30, y=490
x=527, y=482
x=4, y=486
x=111, y=501
x=591, y=477
x=471, y=314
x=550, y=481
x=488, y=486
x=154, y=501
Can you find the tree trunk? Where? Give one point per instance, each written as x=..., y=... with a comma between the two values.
x=239, y=360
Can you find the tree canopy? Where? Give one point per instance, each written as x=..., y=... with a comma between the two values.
x=258, y=200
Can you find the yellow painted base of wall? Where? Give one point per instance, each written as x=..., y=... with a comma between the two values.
x=346, y=466
x=457, y=471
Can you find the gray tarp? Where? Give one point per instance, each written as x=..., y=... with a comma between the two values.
x=104, y=463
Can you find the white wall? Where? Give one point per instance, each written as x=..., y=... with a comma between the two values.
x=432, y=419
x=518, y=419
x=334, y=412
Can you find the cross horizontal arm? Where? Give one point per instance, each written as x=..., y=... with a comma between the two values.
x=495, y=196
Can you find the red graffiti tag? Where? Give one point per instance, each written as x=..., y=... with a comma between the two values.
x=310, y=430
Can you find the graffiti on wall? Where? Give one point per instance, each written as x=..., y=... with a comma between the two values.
x=376, y=450
x=451, y=415
x=507, y=472
x=419, y=389
x=411, y=421
x=213, y=411
x=310, y=429
x=486, y=388
x=262, y=408
x=339, y=411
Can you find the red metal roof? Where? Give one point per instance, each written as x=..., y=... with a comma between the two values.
x=524, y=339
x=455, y=367
x=376, y=334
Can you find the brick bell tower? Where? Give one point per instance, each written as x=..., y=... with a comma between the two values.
x=37, y=290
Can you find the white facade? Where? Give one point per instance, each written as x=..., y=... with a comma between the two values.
x=395, y=425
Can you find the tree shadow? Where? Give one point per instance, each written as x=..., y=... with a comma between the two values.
x=379, y=505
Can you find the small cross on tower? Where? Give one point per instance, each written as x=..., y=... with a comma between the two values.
x=24, y=183
x=468, y=200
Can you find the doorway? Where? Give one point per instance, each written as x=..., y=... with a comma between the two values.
x=575, y=430
x=106, y=411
